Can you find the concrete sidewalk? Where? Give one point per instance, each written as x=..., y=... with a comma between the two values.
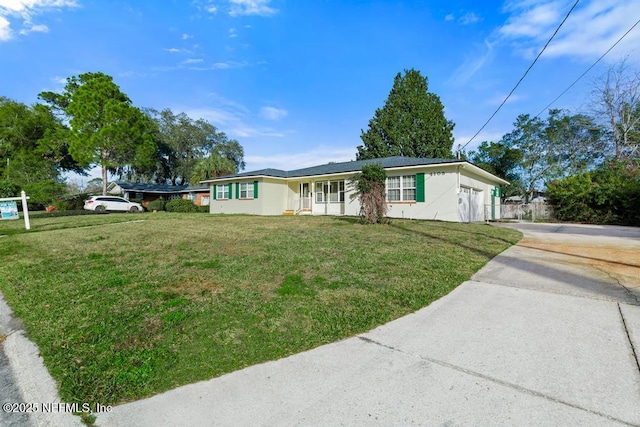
x=539, y=337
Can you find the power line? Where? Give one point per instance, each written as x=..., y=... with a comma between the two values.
x=523, y=76
x=588, y=69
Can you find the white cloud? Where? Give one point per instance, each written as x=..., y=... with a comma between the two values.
x=290, y=161
x=40, y=28
x=468, y=18
x=533, y=21
x=499, y=98
x=193, y=61
x=233, y=33
x=173, y=50
x=449, y=17
x=592, y=28
x=186, y=36
x=212, y=8
x=228, y=64
x=251, y=7
x=273, y=113
x=232, y=119
x=22, y=12
x=5, y=29
x=472, y=64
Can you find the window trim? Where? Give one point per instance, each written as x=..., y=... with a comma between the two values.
x=320, y=192
x=249, y=190
x=222, y=190
x=402, y=188
x=333, y=189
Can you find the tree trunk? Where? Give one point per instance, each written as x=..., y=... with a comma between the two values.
x=104, y=180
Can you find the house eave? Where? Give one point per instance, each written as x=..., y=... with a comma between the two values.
x=292, y=176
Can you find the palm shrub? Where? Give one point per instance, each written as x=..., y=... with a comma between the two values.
x=369, y=187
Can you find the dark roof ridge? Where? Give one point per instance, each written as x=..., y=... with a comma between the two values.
x=342, y=167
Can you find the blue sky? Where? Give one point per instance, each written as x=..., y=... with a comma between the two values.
x=295, y=81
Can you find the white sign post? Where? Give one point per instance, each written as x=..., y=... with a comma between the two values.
x=9, y=210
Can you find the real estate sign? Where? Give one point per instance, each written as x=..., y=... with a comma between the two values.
x=8, y=210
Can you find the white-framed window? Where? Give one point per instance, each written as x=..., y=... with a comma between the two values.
x=205, y=201
x=409, y=188
x=330, y=191
x=175, y=196
x=336, y=191
x=320, y=192
x=393, y=189
x=222, y=191
x=246, y=190
x=401, y=188
x=191, y=196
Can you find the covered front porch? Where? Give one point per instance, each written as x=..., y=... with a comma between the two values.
x=316, y=197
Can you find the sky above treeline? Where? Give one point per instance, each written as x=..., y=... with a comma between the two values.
x=296, y=81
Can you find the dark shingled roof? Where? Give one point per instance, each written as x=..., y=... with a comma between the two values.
x=352, y=166
x=159, y=188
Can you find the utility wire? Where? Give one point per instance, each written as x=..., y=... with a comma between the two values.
x=523, y=76
x=588, y=69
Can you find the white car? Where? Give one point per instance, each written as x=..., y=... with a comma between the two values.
x=111, y=203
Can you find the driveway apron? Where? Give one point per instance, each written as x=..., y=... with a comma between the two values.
x=547, y=333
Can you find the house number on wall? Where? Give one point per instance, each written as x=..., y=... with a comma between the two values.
x=436, y=173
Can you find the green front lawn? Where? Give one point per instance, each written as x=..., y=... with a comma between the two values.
x=125, y=306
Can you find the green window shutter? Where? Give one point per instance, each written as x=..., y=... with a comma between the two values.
x=255, y=189
x=230, y=187
x=420, y=187
x=215, y=192
x=237, y=191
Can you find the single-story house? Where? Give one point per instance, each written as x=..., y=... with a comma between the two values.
x=416, y=188
x=199, y=194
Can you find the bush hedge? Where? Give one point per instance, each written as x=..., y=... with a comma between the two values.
x=608, y=195
x=156, y=205
x=180, y=205
x=70, y=203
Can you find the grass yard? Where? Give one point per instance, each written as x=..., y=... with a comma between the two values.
x=125, y=306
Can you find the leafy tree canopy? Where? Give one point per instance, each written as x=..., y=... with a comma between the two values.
x=188, y=150
x=501, y=160
x=33, y=144
x=539, y=150
x=106, y=129
x=411, y=123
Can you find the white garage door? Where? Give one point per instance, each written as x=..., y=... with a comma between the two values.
x=470, y=208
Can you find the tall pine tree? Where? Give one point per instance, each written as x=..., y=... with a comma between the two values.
x=411, y=123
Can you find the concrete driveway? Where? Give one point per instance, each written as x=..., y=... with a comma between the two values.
x=546, y=334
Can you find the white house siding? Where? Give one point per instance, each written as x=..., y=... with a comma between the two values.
x=440, y=201
x=443, y=194
x=457, y=192
x=271, y=198
x=480, y=196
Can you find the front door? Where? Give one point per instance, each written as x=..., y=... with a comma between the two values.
x=306, y=196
